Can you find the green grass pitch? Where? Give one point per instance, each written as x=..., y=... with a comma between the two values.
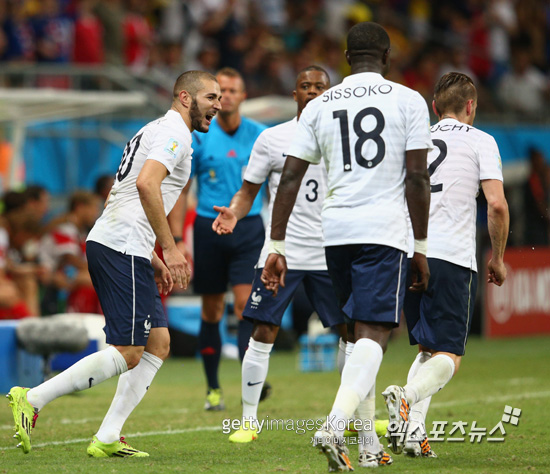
x=180, y=436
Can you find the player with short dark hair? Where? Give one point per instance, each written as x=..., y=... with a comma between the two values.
x=306, y=258
x=127, y=274
x=439, y=319
x=374, y=136
x=219, y=161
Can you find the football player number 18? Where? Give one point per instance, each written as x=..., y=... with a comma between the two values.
x=362, y=137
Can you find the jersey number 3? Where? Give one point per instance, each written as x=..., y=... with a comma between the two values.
x=362, y=137
x=128, y=155
x=435, y=188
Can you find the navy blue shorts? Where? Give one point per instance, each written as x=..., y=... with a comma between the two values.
x=224, y=259
x=369, y=281
x=441, y=317
x=125, y=285
x=263, y=306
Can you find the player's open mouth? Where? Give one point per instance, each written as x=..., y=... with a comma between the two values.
x=209, y=118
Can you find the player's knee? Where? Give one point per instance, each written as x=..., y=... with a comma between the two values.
x=265, y=333
x=132, y=358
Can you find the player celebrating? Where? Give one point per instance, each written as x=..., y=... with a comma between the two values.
x=306, y=258
x=374, y=136
x=439, y=320
x=125, y=271
x=218, y=163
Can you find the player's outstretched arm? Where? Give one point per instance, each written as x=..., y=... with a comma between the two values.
x=275, y=267
x=240, y=206
x=498, y=222
x=148, y=185
x=417, y=192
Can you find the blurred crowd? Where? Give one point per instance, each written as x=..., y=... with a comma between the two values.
x=504, y=45
x=43, y=267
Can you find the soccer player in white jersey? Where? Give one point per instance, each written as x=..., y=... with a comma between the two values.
x=306, y=257
x=374, y=137
x=126, y=272
x=439, y=319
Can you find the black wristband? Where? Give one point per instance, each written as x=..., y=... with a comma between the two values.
x=178, y=239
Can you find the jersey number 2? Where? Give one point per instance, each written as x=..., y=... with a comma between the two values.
x=130, y=151
x=362, y=137
x=435, y=188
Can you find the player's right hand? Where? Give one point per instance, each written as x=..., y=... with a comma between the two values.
x=274, y=272
x=178, y=266
x=420, y=273
x=497, y=272
x=225, y=222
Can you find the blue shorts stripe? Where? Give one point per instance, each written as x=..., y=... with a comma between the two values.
x=398, y=291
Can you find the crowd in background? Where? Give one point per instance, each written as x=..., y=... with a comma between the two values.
x=43, y=267
x=503, y=44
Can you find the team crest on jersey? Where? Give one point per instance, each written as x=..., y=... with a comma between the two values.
x=147, y=325
x=172, y=146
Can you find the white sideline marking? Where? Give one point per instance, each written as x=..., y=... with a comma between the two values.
x=130, y=435
x=501, y=398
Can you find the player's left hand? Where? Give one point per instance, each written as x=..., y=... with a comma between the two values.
x=420, y=273
x=274, y=272
x=225, y=222
x=163, y=279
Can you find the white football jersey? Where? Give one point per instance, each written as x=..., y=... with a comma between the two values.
x=362, y=127
x=123, y=226
x=462, y=157
x=304, y=239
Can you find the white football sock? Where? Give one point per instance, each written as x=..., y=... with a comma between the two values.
x=132, y=387
x=341, y=359
x=91, y=370
x=349, y=349
x=358, y=378
x=431, y=377
x=368, y=439
x=254, y=372
x=420, y=409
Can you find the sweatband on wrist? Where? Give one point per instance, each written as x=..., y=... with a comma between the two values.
x=421, y=246
x=276, y=246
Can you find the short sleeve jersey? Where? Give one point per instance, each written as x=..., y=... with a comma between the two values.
x=304, y=239
x=219, y=163
x=462, y=157
x=362, y=128
x=123, y=226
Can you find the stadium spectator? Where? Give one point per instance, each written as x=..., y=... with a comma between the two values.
x=126, y=272
x=439, y=319
x=103, y=187
x=111, y=14
x=536, y=192
x=219, y=159
x=12, y=304
x=38, y=201
x=138, y=36
x=88, y=35
x=54, y=33
x=18, y=34
x=524, y=89
x=63, y=254
x=365, y=257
